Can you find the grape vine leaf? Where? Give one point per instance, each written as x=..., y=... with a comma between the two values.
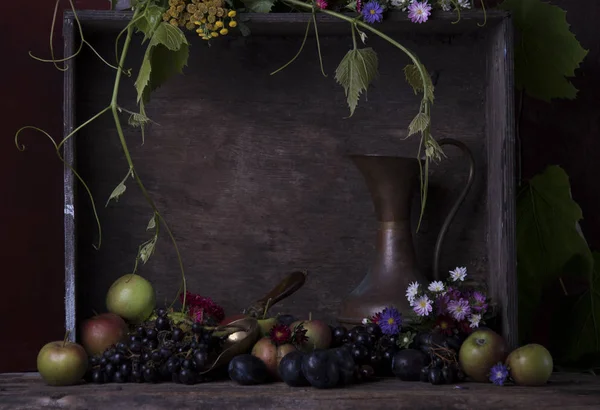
x=120, y=189
x=547, y=240
x=149, y=21
x=413, y=77
x=147, y=249
x=166, y=55
x=151, y=223
x=548, y=53
x=418, y=124
x=259, y=6
x=355, y=72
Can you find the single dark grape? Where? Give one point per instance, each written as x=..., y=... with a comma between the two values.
x=177, y=334
x=424, y=375
x=286, y=319
x=373, y=329
x=125, y=369
x=162, y=323
x=118, y=377
x=200, y=358
x=136, y=376
x=173, y=366
x=438, y=362
x=364, y=339
x=104, y=361
x=187, y=364
x=197, y=327
x=134, y=338
x=150, y=375
x=146, y=357
x=186, y=376
x=165, y=352
x=435, y=376
x=366, y=372
x=449, y=374
x=388, y=355
x=181, y=349
x=152, y=344
x=135, y=347
x=207, y=337
x=385, y=342
x=94, y=361
x=98, y=377
x=117, y=358
x=161, y=312
x=145, y=341
x=122, y=348
x=140, y=331
x=110, y=369
x=393, y=339
x=376, y=359
x=108, y=353
x=360, y=353
x=156, y=357
x=340, y=333
x=151, y=334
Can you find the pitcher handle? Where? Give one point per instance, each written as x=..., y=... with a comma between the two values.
x=440, y=239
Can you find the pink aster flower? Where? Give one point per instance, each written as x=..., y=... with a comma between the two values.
x=322, y=4
x=422, y=306
x=419, y=11
x=459, y=309
x=478, y=302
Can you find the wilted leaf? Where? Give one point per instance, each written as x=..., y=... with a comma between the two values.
x=355, y=72
x=547, y=239
x=151, y=223
x=547, y=52
x=120, y=189
x=413, y=77
x=147, y=249
x=259, y=6
x=418, y=124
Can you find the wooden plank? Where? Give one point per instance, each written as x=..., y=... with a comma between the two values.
x=564, y=391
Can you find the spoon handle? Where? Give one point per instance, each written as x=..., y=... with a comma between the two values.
x=288, y=286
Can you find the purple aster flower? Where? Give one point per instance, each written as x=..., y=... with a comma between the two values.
x=441, y=304
x=498, y=374
x=459, y=309
x=422, y=306
x=479, y=302
x=419, y=11
x=372, y=12
x=390, y=321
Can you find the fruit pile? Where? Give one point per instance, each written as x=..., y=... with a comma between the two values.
x=157, y=351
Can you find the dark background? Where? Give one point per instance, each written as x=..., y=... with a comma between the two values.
x=31, y=202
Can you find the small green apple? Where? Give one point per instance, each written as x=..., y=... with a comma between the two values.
x=479, y=352
x=131, y=297
x=62, y=363
x=266, y=324
x=530, y=365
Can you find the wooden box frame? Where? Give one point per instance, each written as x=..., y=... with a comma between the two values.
x=500, y=143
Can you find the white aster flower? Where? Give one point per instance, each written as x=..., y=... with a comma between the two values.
x=436, y=286
x=458, y=274
x=411, y=292
x=464, y=4
x=474, y=320
x=365, y=321
x=446, y=5
x=400, y=4
x=422, y=306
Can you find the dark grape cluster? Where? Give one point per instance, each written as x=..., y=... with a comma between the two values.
x=442, y=351
x=368, y=346
x=156, y=352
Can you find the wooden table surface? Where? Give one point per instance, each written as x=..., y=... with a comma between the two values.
x=564, y=391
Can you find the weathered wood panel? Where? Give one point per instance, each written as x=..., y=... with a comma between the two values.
x=565, y=391
x=251, y=169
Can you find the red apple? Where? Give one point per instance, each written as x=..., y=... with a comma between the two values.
x=318, y=334
x=62, y=363
x=530, y=365
x=479, y=352
x=101, y=331
x=271, y=354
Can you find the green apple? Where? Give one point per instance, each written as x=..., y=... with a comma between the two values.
x=131, y=297
x=266, y=324
x=318, y=334
x=479, y=352
x=530, y=365
x=62, y=363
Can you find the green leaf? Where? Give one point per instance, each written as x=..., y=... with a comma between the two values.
x=120, y=189
x=166, y=55
x=547, y=53
x=355, y=72
x=150, y=21
x=259, y=6
x=418, y=124
x=413, y=77
x=547, y=239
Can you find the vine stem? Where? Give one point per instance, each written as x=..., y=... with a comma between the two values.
x=364, y=25
x=115, y=110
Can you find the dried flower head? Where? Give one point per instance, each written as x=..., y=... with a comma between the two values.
x=280, y=334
